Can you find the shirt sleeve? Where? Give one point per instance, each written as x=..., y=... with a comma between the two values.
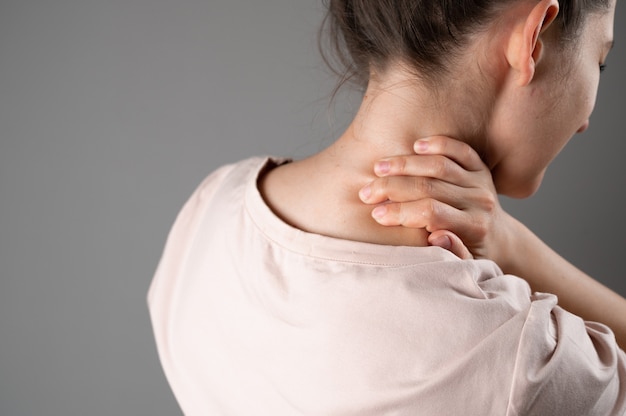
x=566, y=366
x=180, y=236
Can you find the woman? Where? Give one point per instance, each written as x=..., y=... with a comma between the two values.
x=281, y=292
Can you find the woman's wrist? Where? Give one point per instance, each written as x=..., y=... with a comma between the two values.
x=510, y=252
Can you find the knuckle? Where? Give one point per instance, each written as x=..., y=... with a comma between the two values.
x=440, y=166
x=395, y=213
x=432, y=215
x=400, y=165
x=488, y=202
x=430, y=208
x=421, y=186
x=467, y=153
x=481, y=229
x=411, y=215
x=427, y=186
x=402, y=215
x=380, y=189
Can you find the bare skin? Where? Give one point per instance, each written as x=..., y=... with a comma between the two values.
x=329, y=203
x=485, y=229
x=507, y=100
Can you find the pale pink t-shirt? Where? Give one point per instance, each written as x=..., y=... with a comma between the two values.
x=254, y=317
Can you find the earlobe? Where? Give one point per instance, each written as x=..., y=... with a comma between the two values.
x=526, y=46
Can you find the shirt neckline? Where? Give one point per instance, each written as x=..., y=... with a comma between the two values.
x=324, y=247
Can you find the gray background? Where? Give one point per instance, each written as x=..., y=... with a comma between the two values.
x=111, y=112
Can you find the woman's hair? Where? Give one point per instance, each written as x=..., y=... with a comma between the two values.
x=425, y=34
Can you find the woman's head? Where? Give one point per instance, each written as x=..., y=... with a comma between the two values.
x=426, y=35
x=517, y=78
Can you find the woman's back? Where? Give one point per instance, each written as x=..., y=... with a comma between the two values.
x=280, y=293
x=253, y=316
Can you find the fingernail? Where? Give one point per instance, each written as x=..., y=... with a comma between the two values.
x=365, y=193
x=379, y=212
x=421, y=145
x=383, y=167
x=442, y=241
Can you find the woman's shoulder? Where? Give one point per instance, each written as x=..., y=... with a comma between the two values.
x=240, y=171
x=565, y=365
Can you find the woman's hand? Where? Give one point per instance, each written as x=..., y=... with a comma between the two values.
x=446, y=189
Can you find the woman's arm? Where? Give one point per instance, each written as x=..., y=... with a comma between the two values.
x=446, y=188
x=547, y=271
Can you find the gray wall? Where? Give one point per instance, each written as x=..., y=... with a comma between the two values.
x=111, y=112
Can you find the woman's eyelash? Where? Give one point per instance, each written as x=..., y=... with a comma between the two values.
x=602, y=67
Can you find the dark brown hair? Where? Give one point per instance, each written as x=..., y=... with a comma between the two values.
x=425, y=34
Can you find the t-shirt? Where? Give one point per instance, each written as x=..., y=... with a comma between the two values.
x=254, y=317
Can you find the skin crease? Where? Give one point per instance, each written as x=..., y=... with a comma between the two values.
x=514, y=108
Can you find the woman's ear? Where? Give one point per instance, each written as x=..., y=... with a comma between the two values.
x=525, y=45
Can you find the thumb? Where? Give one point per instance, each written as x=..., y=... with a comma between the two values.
x=451, y=242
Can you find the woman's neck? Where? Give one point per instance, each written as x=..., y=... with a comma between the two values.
x=397, y=112
x=320, y=194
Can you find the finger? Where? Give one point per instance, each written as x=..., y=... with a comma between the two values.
x=426, y=213
x=451, y=242
x=411, y=188
x=433, y=215
x=431, y=165
x=460, y=152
